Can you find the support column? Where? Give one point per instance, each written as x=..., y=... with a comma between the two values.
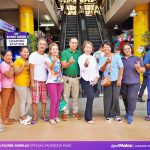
x=26, y=19
x=140, y=25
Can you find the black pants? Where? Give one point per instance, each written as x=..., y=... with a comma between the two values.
x=129, y=94
x=143, y=87
x=89, y=91
x=111, y=100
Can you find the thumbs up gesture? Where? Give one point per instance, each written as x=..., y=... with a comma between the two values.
x=137, y=65
x=72, y=60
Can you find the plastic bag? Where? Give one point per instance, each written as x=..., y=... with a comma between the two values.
x=62, y=105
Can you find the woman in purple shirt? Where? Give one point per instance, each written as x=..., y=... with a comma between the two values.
x=133, y=66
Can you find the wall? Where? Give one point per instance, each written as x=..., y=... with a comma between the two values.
x=10, y=16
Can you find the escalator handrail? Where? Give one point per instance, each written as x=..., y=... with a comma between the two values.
x=103, y=29
x=100, y=17
x=104, y=23
x=63, y=31
x=79, y=31
x=83, y=31
x=99, y=28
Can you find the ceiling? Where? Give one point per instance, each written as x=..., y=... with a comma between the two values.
x=14, y=4
x=118, y=15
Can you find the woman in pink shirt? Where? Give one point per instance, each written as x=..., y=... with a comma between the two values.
x=1, y=127
x=7, y=81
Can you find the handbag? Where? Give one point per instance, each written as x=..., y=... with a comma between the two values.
x=106, y=81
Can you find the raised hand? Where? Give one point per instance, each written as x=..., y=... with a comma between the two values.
x=87, y=61
x=137, y=65
x=72, y=60
x=108, y=60
x=26, y=63
x=12, y=64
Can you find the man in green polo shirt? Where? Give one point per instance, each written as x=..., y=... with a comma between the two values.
x=69, y=61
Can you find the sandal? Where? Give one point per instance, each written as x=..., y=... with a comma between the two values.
x=11, y=120
x=45, y=119
x=33, y=121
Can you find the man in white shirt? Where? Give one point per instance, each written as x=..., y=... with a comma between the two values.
x=38, y=79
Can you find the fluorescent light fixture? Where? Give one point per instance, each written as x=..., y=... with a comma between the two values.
x=133, y=13
x=46, y=24
x=116, y=27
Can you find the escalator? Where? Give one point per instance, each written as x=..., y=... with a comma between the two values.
x=92, y=28
x=69, y=29
x=93, y=33
x=84, y=27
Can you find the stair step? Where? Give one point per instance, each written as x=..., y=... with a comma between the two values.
x=68, y=31
x=92, y=26
x=72, y=28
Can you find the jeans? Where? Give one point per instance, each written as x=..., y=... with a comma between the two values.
x=89, y=91
x=148, y=100
x=129, y=94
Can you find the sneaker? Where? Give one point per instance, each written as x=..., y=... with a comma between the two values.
x=139, y=99
x=91, y=122
x=25, y=121
x=57, y=120
x=65, y=117
x=100, y=95
x=126, y=116
x=29, y=118
x=108, y=119
x=130, y=119
x=77, y=116
x=147, y=118
x=118, y=118
x=2, y=128
x=52, y=121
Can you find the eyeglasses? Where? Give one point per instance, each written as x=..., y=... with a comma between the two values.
x=127, y=49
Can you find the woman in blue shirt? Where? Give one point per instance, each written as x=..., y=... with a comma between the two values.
x=113, y=63
x=133, y=66
x=147, y=65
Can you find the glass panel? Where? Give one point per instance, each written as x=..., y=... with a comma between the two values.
x=90, y=7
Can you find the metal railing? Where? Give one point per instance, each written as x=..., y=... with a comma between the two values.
x=63, y=31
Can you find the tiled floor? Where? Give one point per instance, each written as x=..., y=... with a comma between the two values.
x=79, y=130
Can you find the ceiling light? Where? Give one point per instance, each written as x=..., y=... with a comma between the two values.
x=47, y=28
x=47, y=17
x=116, y=27
x=133, y=13
x=46, y=24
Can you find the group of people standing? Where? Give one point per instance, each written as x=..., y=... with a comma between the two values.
x=60, y=75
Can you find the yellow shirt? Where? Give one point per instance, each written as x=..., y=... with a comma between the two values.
x=23, y=79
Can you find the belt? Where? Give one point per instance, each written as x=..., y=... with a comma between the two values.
x=71, y=76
